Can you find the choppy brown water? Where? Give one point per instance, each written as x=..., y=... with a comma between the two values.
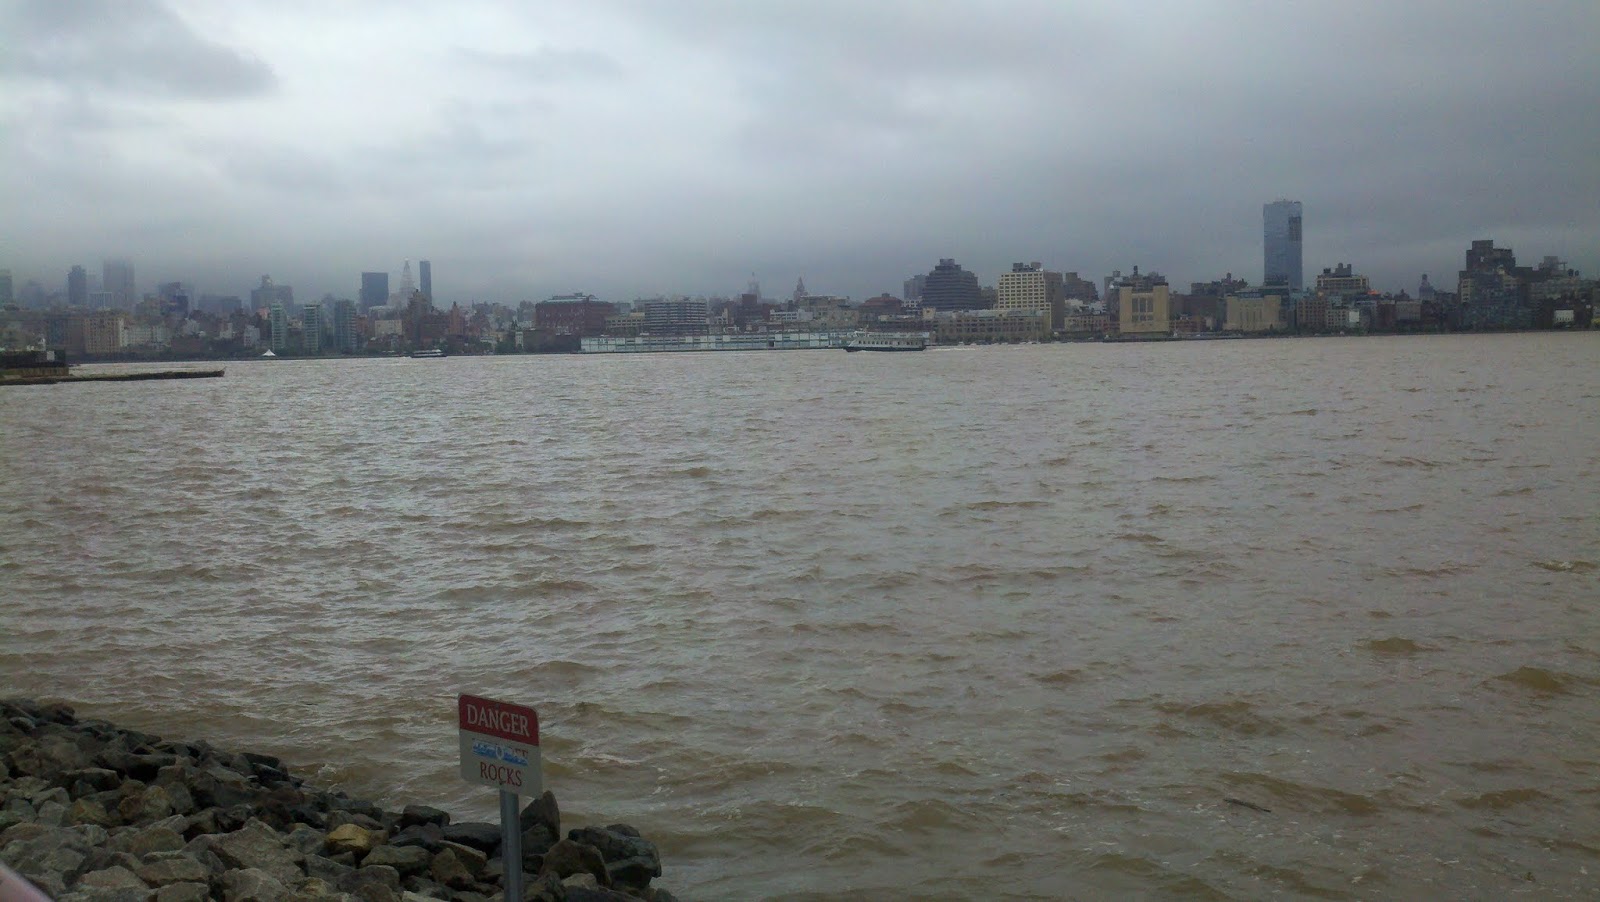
x=969, y=623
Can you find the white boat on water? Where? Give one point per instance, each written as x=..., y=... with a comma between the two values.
x=886, y=341
x=427, y=353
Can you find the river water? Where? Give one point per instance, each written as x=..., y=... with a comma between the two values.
x=972, y=623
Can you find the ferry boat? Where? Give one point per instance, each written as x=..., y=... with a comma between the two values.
x=886, y=341
x=427, y=352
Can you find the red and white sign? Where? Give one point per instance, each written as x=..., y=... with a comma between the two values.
x=500, y=745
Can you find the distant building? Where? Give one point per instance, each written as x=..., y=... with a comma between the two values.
x=268, y=293
x=278, y=322
x=374, y=290
x=949, y=287
x=1144, y=305
x=1340, y=280
x=77, y=287
x=572, y=314
x=1074, y=288
x=102, y=332
x=680, y=316
x=344, y=327
x=912, y=289
x=425, y=272
x=118, y=281
x=8, y=290
x=1281, y=234
x=990, y=326
x=1254, y=312
x=311, y=329
x=1492, y=290
x=1028, y=287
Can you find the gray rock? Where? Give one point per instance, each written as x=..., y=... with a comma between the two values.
x=426, y=888
x=407, y=860
x=375, y=892
x=657, y=894
x=167, y=871
x=601, y=894
x=140, y=843
x=336, y=819
x=52, y=814
x=89, y=811
x=542, y=812
x=581, y=881
x=483, y=837
x=184, y=892
x=327, y=869
x=308, y=840
x=448, y=869
x=252, y=885
x=149, y=804
x=422, y=814
x=382, y=875
x=258, y=847
x=474, y=859
x=427, y=836
x=113, y=878
x=314, y=890
x=352, y=838
x=569, y=857
x=201, y=849
x=91, y=779
x=538, y=839
x=106, y=894
x=630, y=859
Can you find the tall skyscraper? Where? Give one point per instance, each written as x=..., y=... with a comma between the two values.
x=1280, y=244
x=374, y=289
x=912, y=289
x=77, y=287
x=949, y=287
x=311, y=329
x=118, y=279
x=344, y=327
x=278, y=321
x=425, y=272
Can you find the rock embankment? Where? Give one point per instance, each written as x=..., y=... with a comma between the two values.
x=90, y=811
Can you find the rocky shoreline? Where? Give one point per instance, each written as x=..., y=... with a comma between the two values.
x=92, y=812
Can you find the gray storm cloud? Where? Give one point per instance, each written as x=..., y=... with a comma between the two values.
x=631, y=148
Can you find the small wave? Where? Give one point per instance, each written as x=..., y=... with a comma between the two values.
x=1306, y=412
x=1061, y=677
x=1394, y=645
x=1504, y=799
x=1144, y=537
x=1001, y=505
x=1236, y=717
x=1538, y=679
x=1304, y=795
x=1409, y=462
x=1566, y=566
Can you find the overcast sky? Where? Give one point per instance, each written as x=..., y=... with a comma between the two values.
x=638, y=147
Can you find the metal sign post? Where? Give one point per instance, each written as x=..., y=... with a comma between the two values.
x=500, y=748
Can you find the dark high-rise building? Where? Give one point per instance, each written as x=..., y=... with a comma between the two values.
x=77, y=287
x=344, y=327
x=425, y=272
x=1281, y=244
x=949, y=287
x=118, y=281
x=374, y=289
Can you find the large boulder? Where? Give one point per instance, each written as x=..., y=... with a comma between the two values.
x=544, y=812
x=252, y=885
x=259, y=847
x=483, y=837
x=353, y=839
x=178, y=869
x=569, y=857
x=630, y=859
x=407, y=860
x=184, y=892
x=422, y=814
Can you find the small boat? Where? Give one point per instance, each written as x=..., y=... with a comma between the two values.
x=886, y=341
x=427, y=353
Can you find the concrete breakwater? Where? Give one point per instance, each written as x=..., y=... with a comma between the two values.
x=94, y=812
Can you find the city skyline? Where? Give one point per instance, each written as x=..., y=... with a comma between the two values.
x=634, y=150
